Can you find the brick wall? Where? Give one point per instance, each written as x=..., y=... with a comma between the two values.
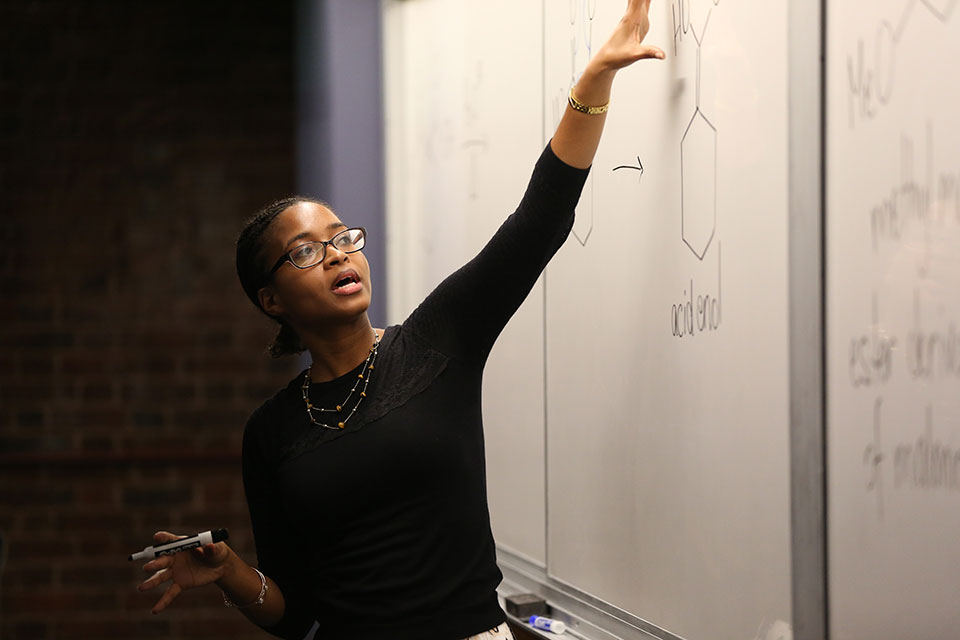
x=135, y=137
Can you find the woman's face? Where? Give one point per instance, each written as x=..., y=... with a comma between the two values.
x=308, y=297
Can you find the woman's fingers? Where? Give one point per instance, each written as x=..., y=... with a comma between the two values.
x=157, y=578
x=637, y=8
x=183, y=571
x=650, y=51
x=165, y=536
x=168, y=596
x=626, y=44
x=159, y=563
x=208, y=554
x=216, y=554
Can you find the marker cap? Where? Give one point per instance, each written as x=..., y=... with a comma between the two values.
x=553, y=626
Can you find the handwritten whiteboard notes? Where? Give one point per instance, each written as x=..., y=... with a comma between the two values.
x=893, y=318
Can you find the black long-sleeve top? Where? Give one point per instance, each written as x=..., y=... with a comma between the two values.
x=381, y=530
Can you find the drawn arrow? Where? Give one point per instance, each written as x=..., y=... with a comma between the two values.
x=630, y=166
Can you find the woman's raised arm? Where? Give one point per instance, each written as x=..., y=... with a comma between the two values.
x=578, y=134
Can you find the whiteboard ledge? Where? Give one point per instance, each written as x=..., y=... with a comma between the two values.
x=587, y=617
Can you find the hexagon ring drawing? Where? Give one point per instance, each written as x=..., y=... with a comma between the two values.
x=583, y=220
x=698, y=180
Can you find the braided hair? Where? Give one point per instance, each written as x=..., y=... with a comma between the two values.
x=253, y=272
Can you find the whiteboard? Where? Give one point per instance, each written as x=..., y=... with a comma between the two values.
x=893, y=301
x=464, y=128
x=667, y=421
x=636, y=408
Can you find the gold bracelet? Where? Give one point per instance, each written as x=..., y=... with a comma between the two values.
x=258, y=601
x=582, y=108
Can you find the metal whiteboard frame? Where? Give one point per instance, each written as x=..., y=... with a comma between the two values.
x=806, y=126
x=589, y=617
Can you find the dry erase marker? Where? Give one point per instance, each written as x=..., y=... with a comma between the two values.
x=553, y=626
x=183, y=544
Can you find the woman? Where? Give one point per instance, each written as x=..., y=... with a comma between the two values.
x=365, y=475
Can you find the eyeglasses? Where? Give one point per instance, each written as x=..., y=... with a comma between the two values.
x=309, y=254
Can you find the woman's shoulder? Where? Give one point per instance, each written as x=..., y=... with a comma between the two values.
x=272, y=409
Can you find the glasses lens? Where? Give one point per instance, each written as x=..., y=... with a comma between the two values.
x=349, y=240
x=311, y=253
x=307, y=255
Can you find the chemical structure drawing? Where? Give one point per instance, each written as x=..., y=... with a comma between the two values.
x=698, y=146
x=581, y=16
x=475, y=143
x=871, y=84
x=639, y=168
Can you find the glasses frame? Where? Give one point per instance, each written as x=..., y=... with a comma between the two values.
x=323, y=249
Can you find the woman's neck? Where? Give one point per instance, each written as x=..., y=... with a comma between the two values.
x=339, y=349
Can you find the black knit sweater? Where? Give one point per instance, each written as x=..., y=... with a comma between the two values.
x=382, y=530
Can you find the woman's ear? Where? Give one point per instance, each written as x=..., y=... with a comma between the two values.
x=269, y=301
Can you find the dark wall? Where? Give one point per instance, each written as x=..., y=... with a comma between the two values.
x=340, y=126
x=135, y=137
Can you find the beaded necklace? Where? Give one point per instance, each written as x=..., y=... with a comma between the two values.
x=367, y=369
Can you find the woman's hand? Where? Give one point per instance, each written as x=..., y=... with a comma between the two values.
x=187, y=569
x=578, y=135
x=625, y=45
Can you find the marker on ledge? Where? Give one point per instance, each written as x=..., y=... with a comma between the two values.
x=183, y=544
x=553, y=626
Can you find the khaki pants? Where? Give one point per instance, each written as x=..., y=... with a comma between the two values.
x=500, y=632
